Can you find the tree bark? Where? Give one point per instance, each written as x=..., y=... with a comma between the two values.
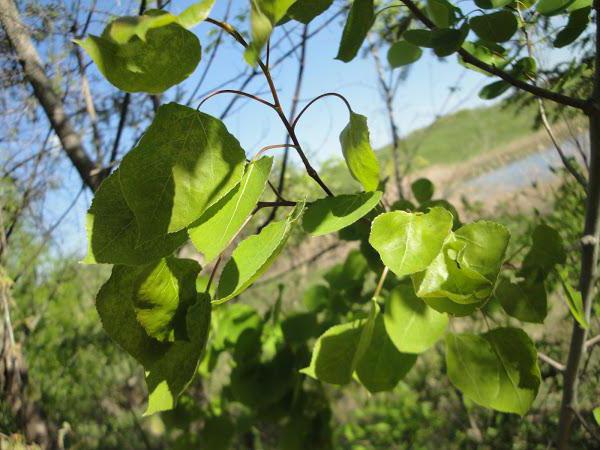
x=50, y=101
x=589, y=259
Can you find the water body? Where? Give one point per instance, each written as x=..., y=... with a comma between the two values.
x=524, y=172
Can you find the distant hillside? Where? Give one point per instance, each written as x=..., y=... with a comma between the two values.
x=450, y=139
x=467, y=133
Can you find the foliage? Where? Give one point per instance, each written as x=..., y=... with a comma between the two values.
x=417, y=268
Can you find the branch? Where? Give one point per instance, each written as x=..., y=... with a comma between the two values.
x=236, y=92
x=551, y=362
x=591, y=342
x=589, y=258
x=43, y=90
x=309, y=104
x=583, y=105
x=265, y=70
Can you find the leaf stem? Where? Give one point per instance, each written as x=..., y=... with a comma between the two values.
x=277, y=104
x=327, y=94
x=236, y=92
x=380, y=282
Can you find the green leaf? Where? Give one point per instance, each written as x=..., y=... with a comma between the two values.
x=468, y=265
x=447, y=306
x=185, y=162
x=338, y=351
x=316, y=298
x=412, y=326
x=441, y=12
x=492, y=4
x=254, y=255
x=577, y=24
x=448, y=40
x=488, y=52
x=112, y=232
x=497, y=370
x=230, y=322
x=402, y=53
x=264, y=15
x=579, y=4
x=484, y=248
x=149, y=53
x=218, y=432
x=409, y=242
x=360, y=20
x=170, y=375
x=493, y=90
x=305, y=11
x=552, y=7
x=215, y=229
x=547, y=250
x=422, y=189
x=525, y=300
x=299, y=328
x=358, y=153
x=195, y=13
x=170, y=366
x=331, y=214
x=597, y=415
x=574, y=301
x=162, y=293
x=422, y=38
x=383, y=366
x=495, y=27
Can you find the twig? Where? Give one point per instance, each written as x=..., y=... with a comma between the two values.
x=551, y=362
x=557, y=97
x=236, y=92
x=309, y=104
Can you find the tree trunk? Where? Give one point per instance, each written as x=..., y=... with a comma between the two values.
x=43, y=90
x=589, y=259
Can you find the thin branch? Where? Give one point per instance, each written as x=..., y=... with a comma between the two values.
x=266, y=148
x=276, y=204
x=591, y=342
x=120, y=127
x=551, y=362
x=557, y=97
x=267, y=74
x=236, y=92
x=326, y=94
x=43, y=88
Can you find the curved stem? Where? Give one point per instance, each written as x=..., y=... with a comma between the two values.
x=270, y=147
x=277, y=104
x=309, y=104
x=236, y=92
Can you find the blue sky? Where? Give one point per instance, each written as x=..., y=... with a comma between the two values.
x=421, y=98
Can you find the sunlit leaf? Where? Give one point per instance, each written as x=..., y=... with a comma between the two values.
x=185, y=162
x=215, y=229
x=195, y=13
x=264, y=15
x=162, y=293
x=412, y=326
x=331, y=214
x=358, y=153
x=254, y=255
x=574, y=301
x=149, y=53
x=409, y=242
x=552, y=7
